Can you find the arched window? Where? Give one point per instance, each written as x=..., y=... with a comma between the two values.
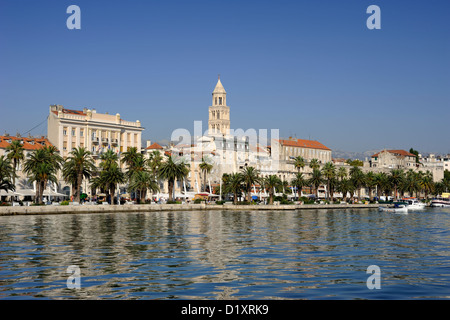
x=220, y=101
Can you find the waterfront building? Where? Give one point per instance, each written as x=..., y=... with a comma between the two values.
x=97, y=132
x=393, y=159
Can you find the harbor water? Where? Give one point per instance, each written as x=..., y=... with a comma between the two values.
x=299, y=254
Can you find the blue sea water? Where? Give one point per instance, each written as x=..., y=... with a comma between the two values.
x=305, y=254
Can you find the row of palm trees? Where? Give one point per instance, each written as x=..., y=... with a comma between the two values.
x=397, y=181
x=43, y=165
x=142, y=175
x=347, y=182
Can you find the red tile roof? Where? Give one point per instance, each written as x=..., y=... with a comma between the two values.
x=301, y=143
x=28, y=143
x=402, y=153
x=154, y=146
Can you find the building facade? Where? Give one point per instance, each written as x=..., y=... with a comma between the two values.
x=68, y=129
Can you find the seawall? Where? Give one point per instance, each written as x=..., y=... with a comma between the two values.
x=85, y=209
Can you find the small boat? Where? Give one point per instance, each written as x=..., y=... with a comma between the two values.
x=441, y=203
x=414, y=204
x=397, y=208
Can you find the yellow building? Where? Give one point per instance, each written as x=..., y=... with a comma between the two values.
x=97, y=132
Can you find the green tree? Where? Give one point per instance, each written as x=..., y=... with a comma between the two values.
x=358, y=179
x=396, y=177
x=143, y=181
x=272, y=183
x=6, y=174
x=371, y=182
x=16, y=155
x=171, y=170
x=427, y=184
x=299, y=182
x=250, y=176
x=233, y=183
x=79, y=165
x=329, y=173
x=314, y=164
x=316, y=180
x=42, y=166
x=299, y=163
x=205, y=167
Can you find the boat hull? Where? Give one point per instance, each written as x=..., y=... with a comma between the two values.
x=440, y=204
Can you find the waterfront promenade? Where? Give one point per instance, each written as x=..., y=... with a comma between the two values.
x=83, y=209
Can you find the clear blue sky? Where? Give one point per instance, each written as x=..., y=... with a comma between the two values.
x=309, y=68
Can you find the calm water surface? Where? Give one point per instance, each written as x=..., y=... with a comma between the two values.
x=320, y=254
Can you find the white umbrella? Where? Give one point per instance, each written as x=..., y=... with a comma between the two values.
x=8, y=193
x=26, y=192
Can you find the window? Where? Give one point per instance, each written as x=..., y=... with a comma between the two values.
x=65, y=132
x=73, y=132
x=220, y=101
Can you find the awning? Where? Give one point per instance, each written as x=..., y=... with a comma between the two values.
x=52, y=193
x=26, y=192
x=7, y=193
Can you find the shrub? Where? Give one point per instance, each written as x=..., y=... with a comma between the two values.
x=220, y=202
x=64, y=203
x=197, y=201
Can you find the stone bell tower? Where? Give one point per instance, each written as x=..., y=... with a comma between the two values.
x=219, y=112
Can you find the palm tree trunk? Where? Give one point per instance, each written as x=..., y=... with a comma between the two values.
x=170, y=185
x=112, y=192
x=78, y=192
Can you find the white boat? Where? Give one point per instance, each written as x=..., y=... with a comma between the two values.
x=442, y=203
x=414, y=204
x=396, y=209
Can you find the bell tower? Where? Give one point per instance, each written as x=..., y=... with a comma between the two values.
x=219, y=112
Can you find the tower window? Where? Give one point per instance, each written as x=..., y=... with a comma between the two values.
x=220, y=101
x=215, y=101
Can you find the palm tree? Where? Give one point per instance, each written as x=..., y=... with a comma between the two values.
x=154, y=161
x=299, y=182
x=79, y=165
x=42, y=166
x=371, y=182
x=396, y=178
x=16, y=154
x=205, y=166
x=341, y=173
x=427, y=184
x=316, y=180
x=380, y=181
x=113, y=176
x=143, y=181
x=410, y=183
x=108, y=159
x=6, y=168
x=233, y=184
x=130, y=157
x=329, y=172
x=6, y=173
x=358, y=179
x=314, y=164
x=344, y=186
x=299, y=163
x=136, y=164
x=250, y=176
x=171, y=170
x=272, y=183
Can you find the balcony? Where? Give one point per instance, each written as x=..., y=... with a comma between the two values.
x=114, y=142
x=95, y=140
x=104, y=140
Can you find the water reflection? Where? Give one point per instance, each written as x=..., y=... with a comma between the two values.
x=226, y=255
